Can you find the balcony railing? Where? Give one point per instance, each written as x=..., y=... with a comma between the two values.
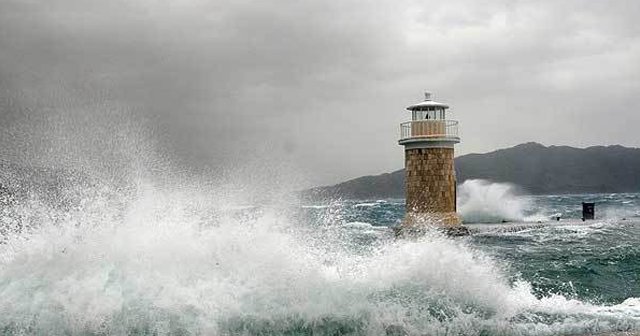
x=429, y=129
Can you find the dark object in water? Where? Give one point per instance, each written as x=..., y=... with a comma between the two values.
x=588, y=210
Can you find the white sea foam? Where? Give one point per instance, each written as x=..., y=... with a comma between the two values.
x=158, y=262
x=315, y=206
x=366, y=205
x=482, y=201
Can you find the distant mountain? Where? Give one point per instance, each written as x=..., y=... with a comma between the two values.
x=536, y=168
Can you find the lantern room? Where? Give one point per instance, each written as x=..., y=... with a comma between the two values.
x=429, y=123
x=428, y=109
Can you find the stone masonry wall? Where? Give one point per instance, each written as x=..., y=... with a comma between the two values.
x=430, y=180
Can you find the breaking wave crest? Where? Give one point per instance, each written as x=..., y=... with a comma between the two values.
x=482, y=201
x=162, y=262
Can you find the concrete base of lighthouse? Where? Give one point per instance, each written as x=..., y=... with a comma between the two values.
x=418, y=224
x=444, y=220
x=430, y=183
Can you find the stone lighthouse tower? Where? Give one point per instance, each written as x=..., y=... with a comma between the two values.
x=430, y=178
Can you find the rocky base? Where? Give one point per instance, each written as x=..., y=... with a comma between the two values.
x=415, y=232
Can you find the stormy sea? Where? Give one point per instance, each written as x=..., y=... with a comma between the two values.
x=89, y=258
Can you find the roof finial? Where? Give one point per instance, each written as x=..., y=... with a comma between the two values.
x=427, y=95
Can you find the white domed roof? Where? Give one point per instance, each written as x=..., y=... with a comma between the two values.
x=426, y=103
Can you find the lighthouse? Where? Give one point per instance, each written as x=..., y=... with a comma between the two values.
x=430, y=177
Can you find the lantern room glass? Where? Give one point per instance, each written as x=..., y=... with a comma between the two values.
x=428, y=113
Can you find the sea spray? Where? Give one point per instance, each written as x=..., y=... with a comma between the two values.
x=482, y=201
x=158, y=261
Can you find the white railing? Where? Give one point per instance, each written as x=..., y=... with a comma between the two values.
x=429, y=129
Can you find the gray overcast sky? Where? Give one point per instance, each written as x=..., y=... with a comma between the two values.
x=321, y=85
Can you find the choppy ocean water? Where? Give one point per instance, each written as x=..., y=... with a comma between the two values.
x=154, y=261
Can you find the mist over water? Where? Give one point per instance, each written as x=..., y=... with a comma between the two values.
x=156, y=260
x=482, y=201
